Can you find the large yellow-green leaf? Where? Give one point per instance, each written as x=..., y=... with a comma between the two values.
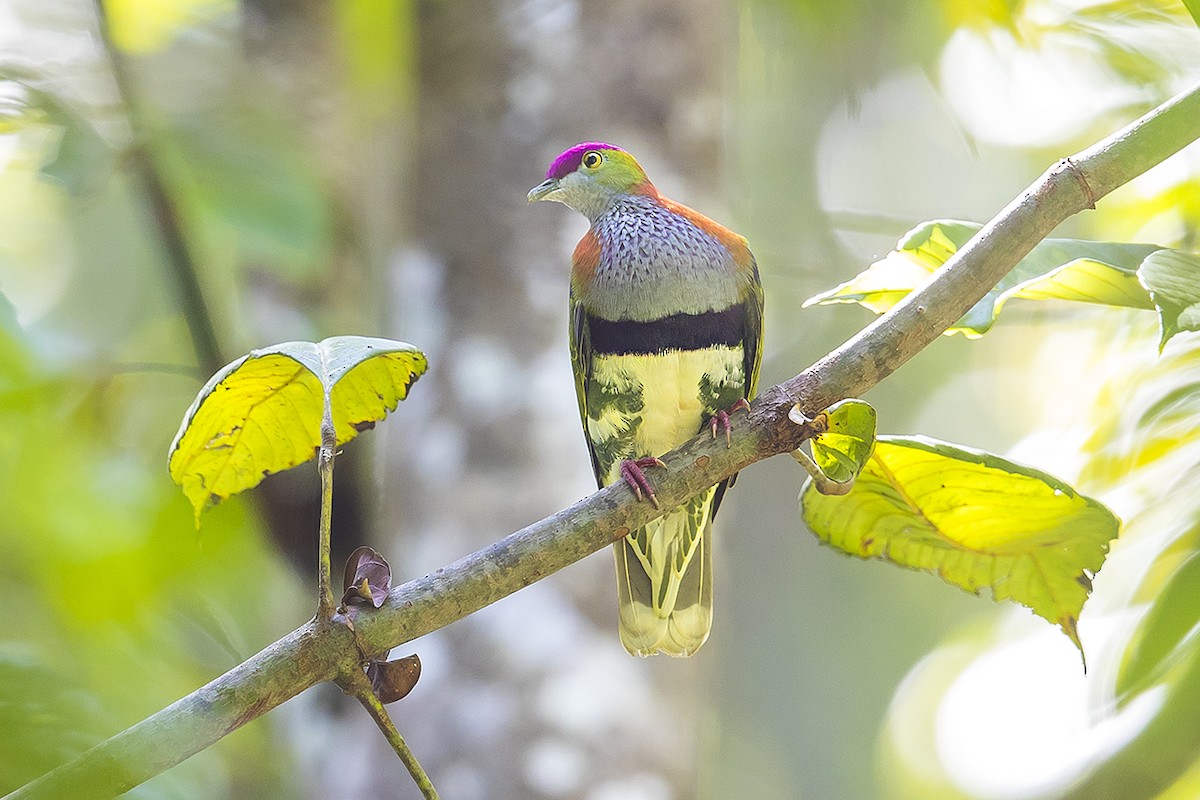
x=1057, y=269
x=975, y=520
x=262, y=413
x=1173, y=279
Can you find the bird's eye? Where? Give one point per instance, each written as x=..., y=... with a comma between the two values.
x=592, y=159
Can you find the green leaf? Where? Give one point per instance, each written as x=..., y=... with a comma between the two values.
x=82, y=160
x=974, y=519
x=842, y=451
x=46, y=717
x=262, y=413
x=1056, y=269
x=1173, y=279
x=245, y=174
x=1165, y=638
x=1193, y=7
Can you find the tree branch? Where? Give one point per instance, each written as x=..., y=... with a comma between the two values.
x=318, y=652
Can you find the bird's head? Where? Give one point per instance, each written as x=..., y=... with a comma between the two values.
x=589, y=176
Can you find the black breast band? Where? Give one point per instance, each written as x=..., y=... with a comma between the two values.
x=676, y=332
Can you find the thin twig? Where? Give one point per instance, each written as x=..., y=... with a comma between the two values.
x=356, y=683
x=325, y=604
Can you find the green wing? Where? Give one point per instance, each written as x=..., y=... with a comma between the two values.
x=581, y=365
x=752, y=343
x=752, y=340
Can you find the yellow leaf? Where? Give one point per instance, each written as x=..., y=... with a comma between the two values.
x=147, y=26
x=975, y=520
x=262, y=413
x=1057, y=269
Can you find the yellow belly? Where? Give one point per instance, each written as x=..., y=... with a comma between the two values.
x=662, y=400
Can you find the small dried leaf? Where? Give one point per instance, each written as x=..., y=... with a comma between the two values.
x=392, y=680
x=367, y=578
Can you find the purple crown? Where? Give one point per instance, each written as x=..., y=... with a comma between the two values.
x=568, y=162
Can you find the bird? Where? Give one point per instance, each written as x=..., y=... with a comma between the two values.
x=666, y=325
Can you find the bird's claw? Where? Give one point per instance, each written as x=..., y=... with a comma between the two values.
x=631, y=473
x=720, y=420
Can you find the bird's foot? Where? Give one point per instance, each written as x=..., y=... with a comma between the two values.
x=720, y=420
x=631, y=473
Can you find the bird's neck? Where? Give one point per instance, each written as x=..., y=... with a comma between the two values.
x=603, y=204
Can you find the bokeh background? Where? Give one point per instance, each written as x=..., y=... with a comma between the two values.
x=195, y=178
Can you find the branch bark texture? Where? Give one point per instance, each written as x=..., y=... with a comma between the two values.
x=324, y=651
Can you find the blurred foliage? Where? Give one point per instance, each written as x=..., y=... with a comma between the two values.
x=1173, y=279
x=95, y=557
x=123, y=607
x=147, y=26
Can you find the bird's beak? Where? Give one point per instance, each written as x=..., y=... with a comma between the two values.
x=543, y=190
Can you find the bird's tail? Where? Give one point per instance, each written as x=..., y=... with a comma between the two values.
x=664, y=582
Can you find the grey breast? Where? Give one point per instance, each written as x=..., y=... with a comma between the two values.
x=654, y=263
